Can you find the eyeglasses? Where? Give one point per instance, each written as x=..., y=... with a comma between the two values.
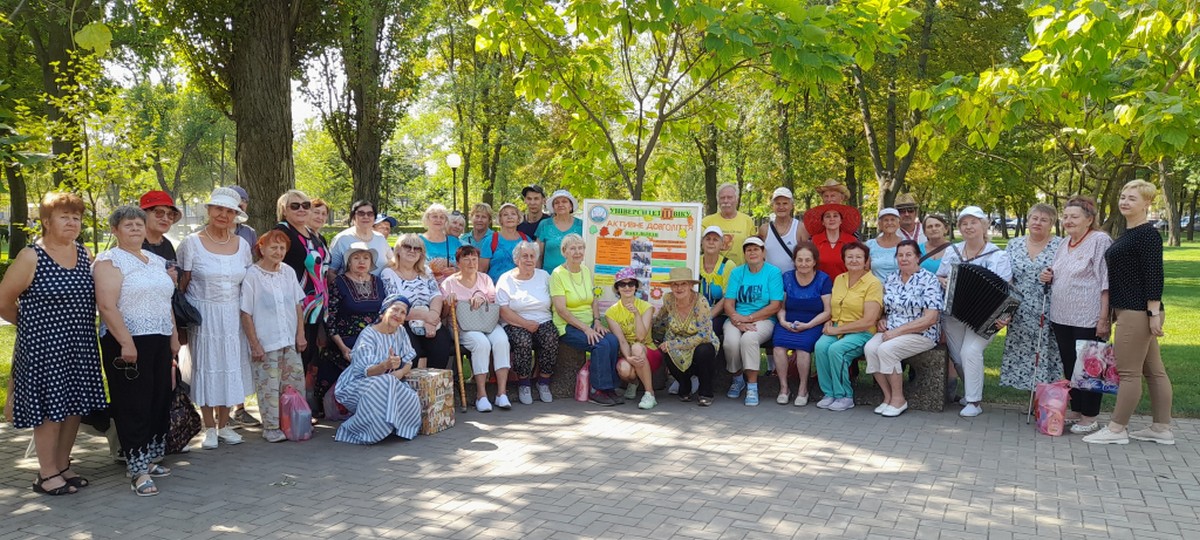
x=164, y=213
x=907, y=210
x=410, y=247
x=130, y=370
x=298, y=205
x=364, y=213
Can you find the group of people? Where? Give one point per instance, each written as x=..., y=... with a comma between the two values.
x=354, y=314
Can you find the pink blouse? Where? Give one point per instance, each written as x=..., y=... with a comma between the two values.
x=483, y=284
x=1080, y=275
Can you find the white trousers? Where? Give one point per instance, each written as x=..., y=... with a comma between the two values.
x=742, y=349
x=966, y=351
x=885, y=356
x=483, y=347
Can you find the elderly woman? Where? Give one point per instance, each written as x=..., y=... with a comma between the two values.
x=49, y=294
x=577, y=317
x=856, y=303
x=373, y=387
x=783, y=232
x=832, y=227
x=502, y=244
x=456, y=224
x=630, y=319
x=475, y=287
x=912, y=303
x=715, y=270
x=1028, y=334
x=551, y=232
x=883, y=247
x=937, y=234
x=137, y=343
x=318, y=217
x=384, y=225
x=1076, y=310
x=216, y=361
x=362, y=216
x=806, y=293
x=410, y=277
x=964, y=345
x=272, y=305
x=354, y=299
x=480, y=234
x=1135, y=285
x=308, y=258
x=754, y=295
x=689, y=342
x=523, y=295
x=440, y=245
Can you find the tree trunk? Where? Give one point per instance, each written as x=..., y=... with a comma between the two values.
x=784, y=138
x=53, y=44
x=20, y=209
x=707, y=146
x=260, y=89
x=1192, y=212
x=1170, y=201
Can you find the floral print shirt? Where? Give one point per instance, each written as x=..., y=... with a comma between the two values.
x=905, y=302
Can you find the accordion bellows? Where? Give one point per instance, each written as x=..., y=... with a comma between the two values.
x=978, y=298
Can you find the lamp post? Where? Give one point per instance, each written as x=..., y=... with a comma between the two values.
x=454, y=161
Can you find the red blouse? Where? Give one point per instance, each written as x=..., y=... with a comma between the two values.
x=830, y=259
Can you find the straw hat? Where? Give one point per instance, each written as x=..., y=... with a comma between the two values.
x=905, y=200
x=814, y=218
x=834, y=185
x=681, y=274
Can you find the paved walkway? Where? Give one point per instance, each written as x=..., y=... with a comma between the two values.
x=571, y=470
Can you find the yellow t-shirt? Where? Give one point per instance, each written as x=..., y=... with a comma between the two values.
x=713, y=284
x=736, y=230
x=848, y=302
x=627, y=320
x=577, y=288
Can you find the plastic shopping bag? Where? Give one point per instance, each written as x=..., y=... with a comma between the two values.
x=295, y=418
x=1095, y=367
x=583, y=383
x=1050, y=402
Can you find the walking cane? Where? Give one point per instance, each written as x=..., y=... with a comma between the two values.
x=1037, y=355
x=462, y=389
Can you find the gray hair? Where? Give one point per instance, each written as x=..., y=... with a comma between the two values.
x=126, y=212
x=523, y=245
x=728, y=185
x=1044, y=209
x=570, y=240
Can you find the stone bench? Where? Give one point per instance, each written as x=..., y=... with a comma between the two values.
x=562, y=384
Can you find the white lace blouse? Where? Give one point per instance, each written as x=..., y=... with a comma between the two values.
x=146, y=289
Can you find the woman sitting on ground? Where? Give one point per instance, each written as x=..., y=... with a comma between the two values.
x=630, y=320
x=689, y=342
x=805, y=310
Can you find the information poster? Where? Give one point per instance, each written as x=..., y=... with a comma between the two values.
x=650, y=237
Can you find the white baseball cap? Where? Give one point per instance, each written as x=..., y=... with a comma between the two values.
x=713, y=229
x=888, y=212
x=782, y=192
x=752, y=241
x=972, y=211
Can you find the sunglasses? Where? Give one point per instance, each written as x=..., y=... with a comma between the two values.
x=164, y=213
x=130, y=370
x=623, y=284
x=907, y=210
x=364, y=213
x=298, y=205
x=409, y=247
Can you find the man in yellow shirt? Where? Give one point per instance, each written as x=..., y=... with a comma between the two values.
x=735, y=225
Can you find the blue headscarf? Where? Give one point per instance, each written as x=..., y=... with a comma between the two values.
x=392, y=299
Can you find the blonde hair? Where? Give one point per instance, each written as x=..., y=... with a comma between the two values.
x=1144, y=188
x=433, y=209
x=570, y=240
x=282, y=202
x=485, y=208
x=412, y=239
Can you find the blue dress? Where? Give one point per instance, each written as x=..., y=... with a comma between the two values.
x=380, y=404
x=801, y=304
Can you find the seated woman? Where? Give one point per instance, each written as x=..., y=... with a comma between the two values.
x=409, y=276
x=373, y=387
x=579, y=326
x=354, y=298
x=523, y=295
x=856, y=303
x=630, y=320
x=471, y=285
x=912, y=301
x=688, y=339
x=806, y=292
x=754, y=295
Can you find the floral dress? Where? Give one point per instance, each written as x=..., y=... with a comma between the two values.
x=1021, y=345
x=682, y=333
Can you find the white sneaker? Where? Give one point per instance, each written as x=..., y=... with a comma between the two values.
x=882, y=407
x=631, y=391
x=1104, y=436
x=483, y=405
x=971, y=411
x=1149, y=435
x=648, y=402
x=274, y=436
x=210, y=439
x=1080, y=429
x=825, y=402
x=892, y=412
x=674, y=388
x=525, y=395
x=544, y=393
x=800, y=401
x=842, y=404
x=229, y=436
x=963, y=402
x=782, y=399
x=503, y=402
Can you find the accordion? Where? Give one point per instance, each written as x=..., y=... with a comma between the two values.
x=978, y=298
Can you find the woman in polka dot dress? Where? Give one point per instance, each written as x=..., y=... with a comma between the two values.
x=48, y=292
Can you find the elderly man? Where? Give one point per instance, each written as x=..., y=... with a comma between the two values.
x=834, y=192
x=241, y=229
x=736, y=225
x=161, y=213
x=910, y=218
x=783, y=232
x=535, y=199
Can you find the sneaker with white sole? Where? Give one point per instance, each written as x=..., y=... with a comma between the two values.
x=503, y=402
x=544, y=393
x=648, y=402
x=842, y=404
x=825, y=402
x=800, y=401
x=971, y=410
x=483, y=405
x=244, y=418
x=1149, y=435
x=631, y=391
x=674, y=388
x=229, y=436
x=1104, y=436
x=783, y=399
x=892, y=412
x=1080, y=429
x=210, y=439
x=751, y=397
x=274, y=435
x=736, y=388
x=525, y=395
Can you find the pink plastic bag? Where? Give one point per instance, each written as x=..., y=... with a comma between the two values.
x=295, y=418
x=1050, y=401
x=583, y=384
x=334, y=411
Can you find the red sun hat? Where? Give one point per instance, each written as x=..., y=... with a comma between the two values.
x=159, y=198
x=814, y=218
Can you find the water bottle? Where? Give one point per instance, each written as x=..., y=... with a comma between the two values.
x=583, y=384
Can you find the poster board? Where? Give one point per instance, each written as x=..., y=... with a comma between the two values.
x=650, y=237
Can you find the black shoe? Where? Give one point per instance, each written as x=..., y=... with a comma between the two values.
x=601, y=398
x=616, y=398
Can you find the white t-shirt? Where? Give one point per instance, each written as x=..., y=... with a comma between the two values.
x=271, y=299
x=992, y=258
x=530, y=298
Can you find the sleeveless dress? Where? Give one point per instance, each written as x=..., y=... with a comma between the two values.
x=801, y=303
x=56, y=360
x=216, y=361
x=777, y=256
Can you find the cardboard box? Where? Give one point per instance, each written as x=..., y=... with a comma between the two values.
x=436, y=390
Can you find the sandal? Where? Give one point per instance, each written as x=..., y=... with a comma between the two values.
x=144, y=489
x=39, y=486
x=705, y=401
x=685, y=399
x=77, y=481
x=155, y=471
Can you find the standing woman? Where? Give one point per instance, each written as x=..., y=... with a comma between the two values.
x=806, y=294
x=1030, y=256
x=308, y=258
x=551, y=232
x=689, y=342
x=409, y=276
x=474, y=286
x=502, y=243
x=318, y=217
x=1076, y=310
x=50, y=295
x=217, y=359
x=523, y=295
x=883, y=248
x=1135, y=285
x=362, y=217
x=755, y=294
x=440, y=245
x=937, y=232
x=964, y=345
x=137, y=343
x=856, y=304
x=577, y=317
x=354, y=300
x=832, y=227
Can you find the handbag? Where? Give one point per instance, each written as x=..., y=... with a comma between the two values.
x=186, y=315
x=1095, y=367
x=185, y=421
x=483, y=319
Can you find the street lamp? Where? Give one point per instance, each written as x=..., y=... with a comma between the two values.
x=454, y=161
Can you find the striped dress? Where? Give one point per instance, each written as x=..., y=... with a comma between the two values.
x=381, y=404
